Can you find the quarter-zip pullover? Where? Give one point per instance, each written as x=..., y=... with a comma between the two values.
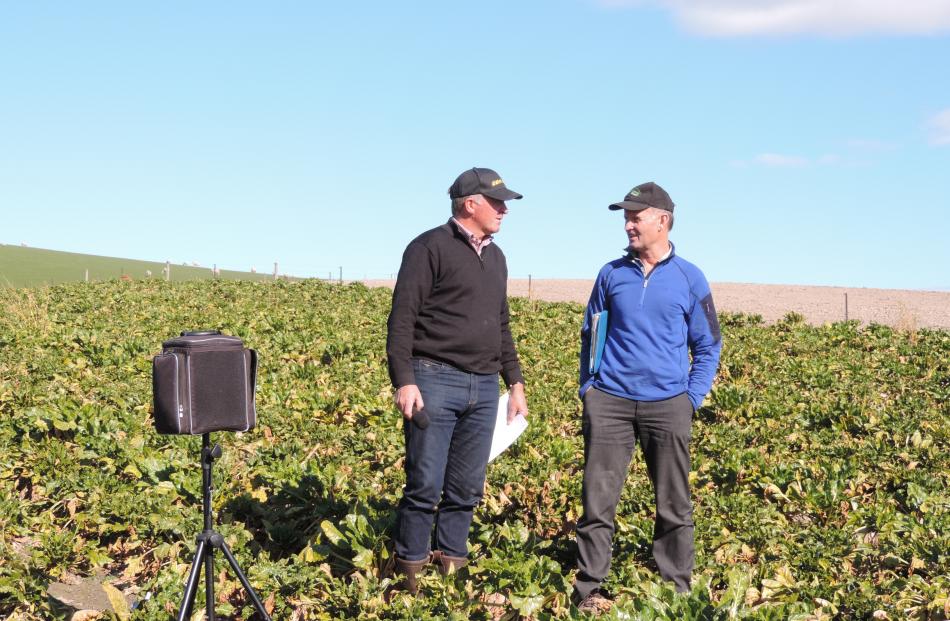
x=450, y=305
x=655, y=322
x=477, y=242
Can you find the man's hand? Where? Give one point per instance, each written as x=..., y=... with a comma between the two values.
x=409, y=400
x=517, y=404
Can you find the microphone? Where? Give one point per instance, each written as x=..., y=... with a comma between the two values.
x=420, y=419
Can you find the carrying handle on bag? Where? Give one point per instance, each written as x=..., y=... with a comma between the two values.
x=200, y=333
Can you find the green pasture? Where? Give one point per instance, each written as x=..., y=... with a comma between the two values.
x=820, y=474
x=29, y=267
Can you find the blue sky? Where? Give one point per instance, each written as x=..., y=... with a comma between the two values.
x=803, y=141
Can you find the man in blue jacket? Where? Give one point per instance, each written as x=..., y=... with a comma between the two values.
x=656, y=363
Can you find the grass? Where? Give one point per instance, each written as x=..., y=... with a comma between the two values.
x=820, y=466
x=32, y=267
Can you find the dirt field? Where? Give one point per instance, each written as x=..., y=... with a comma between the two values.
x=899, y=308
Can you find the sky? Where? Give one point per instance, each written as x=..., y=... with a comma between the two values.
x=803, y=141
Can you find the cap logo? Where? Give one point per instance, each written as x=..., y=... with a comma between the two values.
x=497, y=182
x=635, y=192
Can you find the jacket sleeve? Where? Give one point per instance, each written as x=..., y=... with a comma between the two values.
x=704, y=340
x=596, y=303
x=413, y=285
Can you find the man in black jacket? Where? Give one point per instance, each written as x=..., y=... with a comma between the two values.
x=448, y=340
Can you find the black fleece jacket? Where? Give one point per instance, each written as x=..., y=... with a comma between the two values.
x=451, y=306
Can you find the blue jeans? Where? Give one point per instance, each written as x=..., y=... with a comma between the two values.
x=445, y=463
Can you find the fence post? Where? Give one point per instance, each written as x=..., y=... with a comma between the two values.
x=846, y=306
x=275, y=270
x=87, y=274
x=341, y=274
x=168, y=270
x=529, y=286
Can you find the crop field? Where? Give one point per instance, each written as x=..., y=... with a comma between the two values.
x=821, y=466
x=30, y=267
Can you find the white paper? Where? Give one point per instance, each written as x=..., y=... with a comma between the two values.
x=505, y=434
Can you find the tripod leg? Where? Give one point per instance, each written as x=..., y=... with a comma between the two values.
x=209, y=584
x=191, y=587
x=247, y=585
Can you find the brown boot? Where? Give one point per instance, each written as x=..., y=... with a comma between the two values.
x=408, y=570
x=448, y=564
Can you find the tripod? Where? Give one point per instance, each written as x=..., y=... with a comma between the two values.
x=208, y=540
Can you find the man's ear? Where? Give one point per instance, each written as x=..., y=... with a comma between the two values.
x=470, y=204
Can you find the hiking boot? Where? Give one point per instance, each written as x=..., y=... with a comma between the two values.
x=448, y=564
x=596, y=603
x=408, y=570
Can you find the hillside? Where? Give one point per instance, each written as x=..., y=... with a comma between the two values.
x=28, y=267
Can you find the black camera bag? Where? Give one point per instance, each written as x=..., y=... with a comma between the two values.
x=203, y=382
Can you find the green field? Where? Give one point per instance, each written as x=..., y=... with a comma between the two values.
x=821, y=466
x=30, y=267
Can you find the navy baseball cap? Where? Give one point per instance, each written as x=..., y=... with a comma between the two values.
x=483, y=181
x=645, y=195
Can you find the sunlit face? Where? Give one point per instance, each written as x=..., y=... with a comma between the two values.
x=644, y=228
x=487, y=213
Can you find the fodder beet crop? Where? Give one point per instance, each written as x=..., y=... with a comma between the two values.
x=820, y=468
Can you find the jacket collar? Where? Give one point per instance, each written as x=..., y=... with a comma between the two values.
x=465, y=235
x=632, y=256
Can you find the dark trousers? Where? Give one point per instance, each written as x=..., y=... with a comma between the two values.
x=612, y=426
x=445, y=463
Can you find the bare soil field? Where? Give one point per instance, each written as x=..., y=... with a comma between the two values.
x=902, y=309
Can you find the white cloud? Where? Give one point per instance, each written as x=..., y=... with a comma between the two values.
x=940, y=128
x=780, y=161
x=829, y=159
x=870, y=145
x=727, y=18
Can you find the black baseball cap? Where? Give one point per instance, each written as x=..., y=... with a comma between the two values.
x=645, y=195
x=483, y=181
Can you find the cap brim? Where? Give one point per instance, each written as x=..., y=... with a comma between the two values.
x=502, y=194
x=629, y=206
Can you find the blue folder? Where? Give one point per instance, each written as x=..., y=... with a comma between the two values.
x=598, y=334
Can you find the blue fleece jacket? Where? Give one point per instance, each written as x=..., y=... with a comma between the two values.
x=654, y=323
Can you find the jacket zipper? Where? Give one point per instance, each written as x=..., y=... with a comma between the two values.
x=646, y=277
x=180, y=388
x=646, y=280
